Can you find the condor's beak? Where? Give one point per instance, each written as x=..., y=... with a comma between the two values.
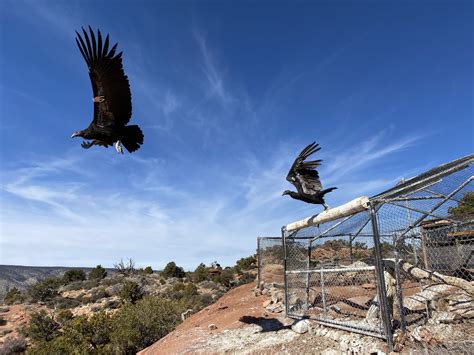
x=75, y=134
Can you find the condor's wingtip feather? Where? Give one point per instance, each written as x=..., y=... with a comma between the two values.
x=312, y=151
x=112, y=51
x=82, y=52
x=307, y=148
x=99, y=44
x=94, y=44
x=83, y=49
x=106, y=46
x=88, y=43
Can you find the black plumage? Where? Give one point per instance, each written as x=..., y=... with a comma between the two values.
x=304, y=176
x=111, y=96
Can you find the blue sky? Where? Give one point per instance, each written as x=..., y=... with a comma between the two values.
x=227, y=93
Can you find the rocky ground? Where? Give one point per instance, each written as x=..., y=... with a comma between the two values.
x=14, y=317
x=251, y=321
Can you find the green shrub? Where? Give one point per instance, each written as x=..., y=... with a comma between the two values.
x=201, y=273
x=190, y=290
x=171, y=270
x=195, y=302
x=94, y=331
x=79, y=336
x=225, y=278
x=148, y=270
x=63, y=316
x=245, y=279
x=210, y=285
x=59, y=345
x=97, y=273
x=89, y=284
x=246, y=263
x=66, y=302
x=140, y=325
x=13, y=346
x=73, y=286
x=13, y=296
x=465, y=206
x=113, y=280
x=95, y=296
x=45, y=290
x=42, y=327
x=74, y=275
x=131, y=292
x=179, y=287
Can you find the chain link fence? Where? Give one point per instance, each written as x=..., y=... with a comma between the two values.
x=402, y=270
x=270, y=261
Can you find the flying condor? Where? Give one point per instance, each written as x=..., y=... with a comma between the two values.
x=111, y=96
x=304, y=176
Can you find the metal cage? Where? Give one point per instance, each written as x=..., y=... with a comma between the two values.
x=382, y=269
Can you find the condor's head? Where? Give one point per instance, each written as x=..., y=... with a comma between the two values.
x=78, y=134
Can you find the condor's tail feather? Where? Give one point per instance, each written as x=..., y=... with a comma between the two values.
x=324, y=192
x=132, y=138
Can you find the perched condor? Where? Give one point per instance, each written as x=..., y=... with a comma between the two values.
x=304, y=176
x=112, y=98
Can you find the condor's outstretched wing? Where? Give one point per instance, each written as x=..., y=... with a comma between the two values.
x=108, y=80
x=303, y=174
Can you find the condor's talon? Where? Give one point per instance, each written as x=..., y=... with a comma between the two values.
x=86, y=145
x=99, y=99
x=118, y=147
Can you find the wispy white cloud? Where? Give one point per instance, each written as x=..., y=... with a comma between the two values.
x=171, y=103
x=55, y=197
x=215, y=81
x=366, y=152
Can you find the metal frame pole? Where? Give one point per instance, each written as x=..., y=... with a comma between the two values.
x=351, y=257
x=308, y=275
x=379, y=271
x=285, y=268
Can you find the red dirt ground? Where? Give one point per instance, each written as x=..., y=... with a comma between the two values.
x=17, y=316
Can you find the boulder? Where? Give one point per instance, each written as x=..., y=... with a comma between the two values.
x=445, y=317
x=301, y=326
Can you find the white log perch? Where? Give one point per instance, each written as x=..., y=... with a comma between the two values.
x=350, y=208
x=434, y=276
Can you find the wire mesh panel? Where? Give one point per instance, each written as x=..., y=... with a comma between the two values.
x=331, y=275
x=270, y=260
